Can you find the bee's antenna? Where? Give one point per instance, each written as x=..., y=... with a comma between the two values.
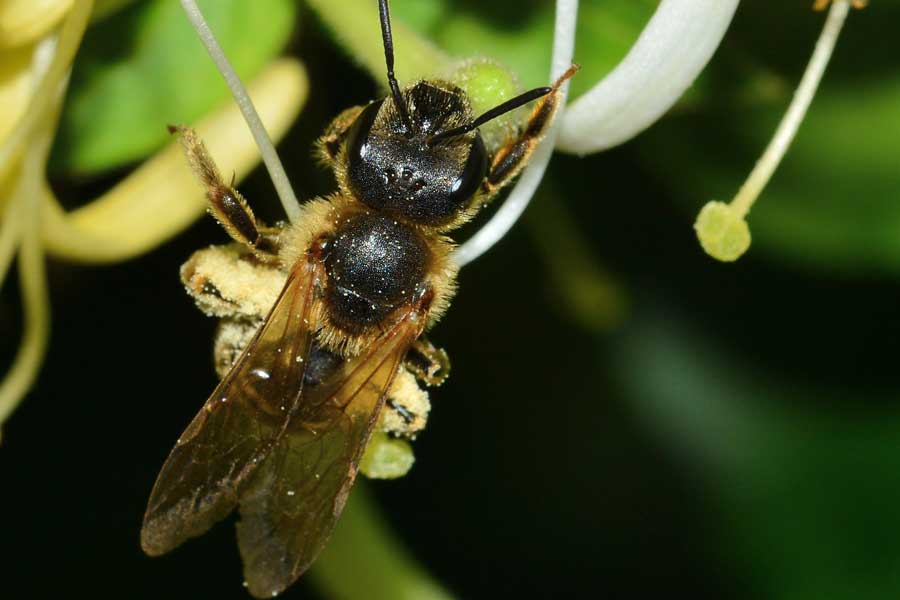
x=511, y=104
x=385, y=15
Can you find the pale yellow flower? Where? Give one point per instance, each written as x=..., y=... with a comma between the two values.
x=38, y=43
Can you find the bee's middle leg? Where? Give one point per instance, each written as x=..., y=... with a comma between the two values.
x=428, y=363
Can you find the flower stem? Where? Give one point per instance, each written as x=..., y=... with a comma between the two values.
x=364, y=560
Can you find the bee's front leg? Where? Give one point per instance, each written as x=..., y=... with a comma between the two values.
x=226, y=204
x=514, y=154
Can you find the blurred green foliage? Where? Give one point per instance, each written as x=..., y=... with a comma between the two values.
x=804, y=481
x=834, y=204
x=144, y=65
x=521, y=34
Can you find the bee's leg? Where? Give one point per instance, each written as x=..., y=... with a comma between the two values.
x=427, y=362
x=329, y=144
x=406, y=407
x=226, y=204
x=513, y=155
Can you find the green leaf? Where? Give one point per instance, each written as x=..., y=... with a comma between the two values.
x=144, y=67
x=804, y=480
x=518, y=35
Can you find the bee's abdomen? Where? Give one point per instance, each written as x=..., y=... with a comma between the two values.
x=374, y=265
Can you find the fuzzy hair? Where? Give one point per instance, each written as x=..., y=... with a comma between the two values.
x=322, y=217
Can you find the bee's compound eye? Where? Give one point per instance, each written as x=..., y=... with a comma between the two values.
x=468, y=181
x=359, y=138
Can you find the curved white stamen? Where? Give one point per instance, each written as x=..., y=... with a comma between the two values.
x=266, y=148
x=520, y=196
x=792, y=119
x=672, y=50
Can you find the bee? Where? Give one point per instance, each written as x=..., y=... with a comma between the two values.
x=363, y=274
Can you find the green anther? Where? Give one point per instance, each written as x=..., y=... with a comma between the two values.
x=722, y=231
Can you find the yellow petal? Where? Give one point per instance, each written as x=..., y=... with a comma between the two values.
x=16, y=86
x=162, y=197
x=25, y=21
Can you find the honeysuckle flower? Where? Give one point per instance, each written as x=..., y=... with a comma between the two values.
x=649, y=80
x=668, y=56
x=38, y=43
x=676, y=44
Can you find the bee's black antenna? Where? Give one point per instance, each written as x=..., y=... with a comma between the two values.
x=385, y=16
x=511, y=104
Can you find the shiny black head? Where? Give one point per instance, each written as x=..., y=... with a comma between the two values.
x=417, y=155
x=396, y=166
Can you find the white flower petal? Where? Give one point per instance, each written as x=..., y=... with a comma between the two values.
x=672, y=50
x=503, y=220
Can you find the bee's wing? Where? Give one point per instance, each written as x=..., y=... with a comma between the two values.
x=238, y=426
x=292, y=502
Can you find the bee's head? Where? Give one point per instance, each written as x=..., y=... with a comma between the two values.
x=417, y=154
x=400, y=162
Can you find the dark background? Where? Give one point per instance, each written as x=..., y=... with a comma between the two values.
x=733, y=433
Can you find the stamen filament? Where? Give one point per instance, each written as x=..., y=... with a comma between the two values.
x=792, y=119
x=263, y=141
x=721, y=228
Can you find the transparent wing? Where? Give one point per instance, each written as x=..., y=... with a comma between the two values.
x=238, y=426
x=291, y=504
